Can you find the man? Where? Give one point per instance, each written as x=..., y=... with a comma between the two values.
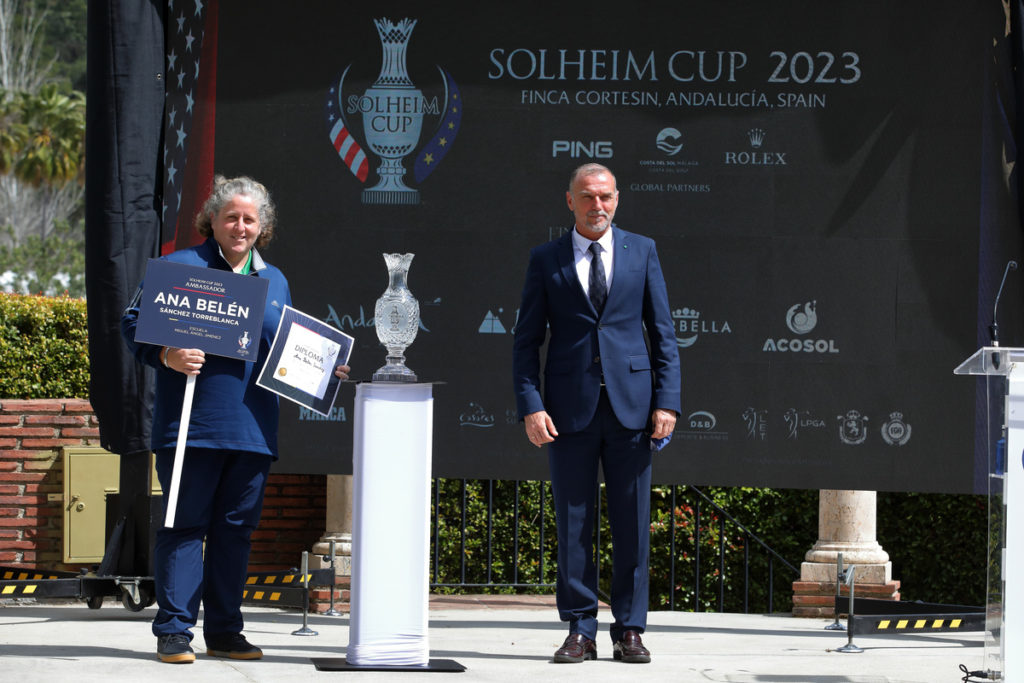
x=607, y=398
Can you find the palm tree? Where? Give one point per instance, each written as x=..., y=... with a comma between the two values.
x=52, y=135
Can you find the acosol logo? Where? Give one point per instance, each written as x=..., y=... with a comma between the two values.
x=800, y=319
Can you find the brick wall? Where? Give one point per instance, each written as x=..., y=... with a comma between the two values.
x=31, y=435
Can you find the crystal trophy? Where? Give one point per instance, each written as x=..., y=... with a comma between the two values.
x=397, y=319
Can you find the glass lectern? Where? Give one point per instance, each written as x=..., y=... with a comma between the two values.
x=1002, y=398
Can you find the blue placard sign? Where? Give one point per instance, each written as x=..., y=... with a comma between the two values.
x=192, y=307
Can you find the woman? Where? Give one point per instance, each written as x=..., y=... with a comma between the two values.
x=232, y=439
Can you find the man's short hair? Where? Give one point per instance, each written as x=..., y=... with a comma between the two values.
x=588, y=169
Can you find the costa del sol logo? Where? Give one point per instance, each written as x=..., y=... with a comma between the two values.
x=391, y=115
x=669, y=141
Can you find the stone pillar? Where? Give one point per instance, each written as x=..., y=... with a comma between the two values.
x=846, y=524
x=338, y=527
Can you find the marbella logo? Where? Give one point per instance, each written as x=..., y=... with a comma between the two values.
x=800, y=319
x=390, y=117
x=689, y=326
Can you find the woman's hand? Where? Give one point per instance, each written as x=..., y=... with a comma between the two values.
x=186, y=361
x=342, y=372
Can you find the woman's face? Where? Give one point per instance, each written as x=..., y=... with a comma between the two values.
x=236, y=227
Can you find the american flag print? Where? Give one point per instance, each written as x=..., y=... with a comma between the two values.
x=189, y=117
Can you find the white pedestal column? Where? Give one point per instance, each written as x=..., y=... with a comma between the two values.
x=391, y=525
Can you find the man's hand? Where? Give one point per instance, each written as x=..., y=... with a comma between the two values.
x=540, y=429
x=662, y=423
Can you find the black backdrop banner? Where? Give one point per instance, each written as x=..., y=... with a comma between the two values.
x=830, y=186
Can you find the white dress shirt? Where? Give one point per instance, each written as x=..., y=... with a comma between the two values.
x=583, y=257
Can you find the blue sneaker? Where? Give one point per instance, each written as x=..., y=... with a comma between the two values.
x=233, y=646
x=175, y=649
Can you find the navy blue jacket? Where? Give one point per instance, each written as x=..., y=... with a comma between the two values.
x=583, y=347
x=228, y=410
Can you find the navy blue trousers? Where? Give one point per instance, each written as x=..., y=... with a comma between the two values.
x=220, y=499
x=625, y=457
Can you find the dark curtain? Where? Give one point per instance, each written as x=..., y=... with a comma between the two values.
x=124, y=172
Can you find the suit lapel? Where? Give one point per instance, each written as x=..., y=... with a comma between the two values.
x=567, y=264
x=621, y=266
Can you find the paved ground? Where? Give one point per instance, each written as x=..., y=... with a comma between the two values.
x=508, y=638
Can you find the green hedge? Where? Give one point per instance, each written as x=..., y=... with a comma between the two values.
x=43, y=347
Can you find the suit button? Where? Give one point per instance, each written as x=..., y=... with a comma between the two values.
x=597, y=360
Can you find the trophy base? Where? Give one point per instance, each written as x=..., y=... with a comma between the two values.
x=408, y=196
x=394, y=373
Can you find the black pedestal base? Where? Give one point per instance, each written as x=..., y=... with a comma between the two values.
x=341, y=664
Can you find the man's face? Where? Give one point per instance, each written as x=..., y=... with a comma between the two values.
x=592, y=200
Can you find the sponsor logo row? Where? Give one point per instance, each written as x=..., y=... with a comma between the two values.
x=753, y=424
x=852, y=428
x=800, y=318
x=749, y=149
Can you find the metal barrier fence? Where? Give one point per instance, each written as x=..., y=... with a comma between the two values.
x=499, y=536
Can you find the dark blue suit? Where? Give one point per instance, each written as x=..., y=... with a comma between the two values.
x=601, y=382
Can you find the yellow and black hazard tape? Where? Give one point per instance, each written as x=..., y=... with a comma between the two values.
x=18, y=589
x=291, y=577
x=18, y=582
x=919, y=623
x=283, y=588
x=42, y=587
x=7, y=574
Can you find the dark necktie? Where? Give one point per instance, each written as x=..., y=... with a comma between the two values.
x=598, y=281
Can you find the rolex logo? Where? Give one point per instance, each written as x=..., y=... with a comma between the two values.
x=756, y=136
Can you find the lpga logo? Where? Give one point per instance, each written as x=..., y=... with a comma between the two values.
x=393, y=112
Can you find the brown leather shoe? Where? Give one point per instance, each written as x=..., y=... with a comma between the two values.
x=631, y=649
x=575, y=649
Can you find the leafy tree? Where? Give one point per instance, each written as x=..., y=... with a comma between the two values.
x=50, y=266
x=64, y=41
x=44, y=142
x=42, y=145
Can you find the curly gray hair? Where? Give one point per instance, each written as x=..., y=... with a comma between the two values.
x=224, y=189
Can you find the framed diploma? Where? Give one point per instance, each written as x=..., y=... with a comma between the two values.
x=302, y=359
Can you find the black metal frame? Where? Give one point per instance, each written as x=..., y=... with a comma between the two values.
x=277, y=589
x=702, y=501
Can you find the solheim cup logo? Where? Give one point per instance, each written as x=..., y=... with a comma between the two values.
x=393, y=112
